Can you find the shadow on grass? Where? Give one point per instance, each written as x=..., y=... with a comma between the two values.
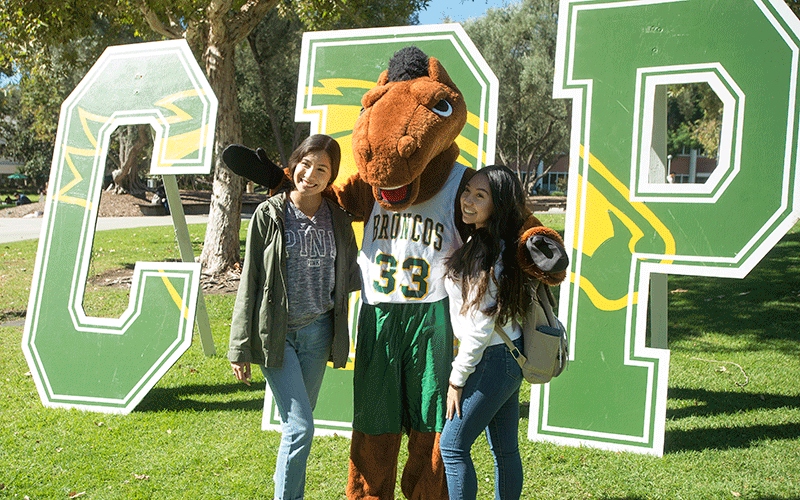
x=713, y=403
x=181, y=398
x=725, y=438
x=642, y=498
x=622, y=498
x=636, y=497
x=762, y=310
x=763, y=304
x=132, y=265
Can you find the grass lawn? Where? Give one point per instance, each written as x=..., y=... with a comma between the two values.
x=196, y=434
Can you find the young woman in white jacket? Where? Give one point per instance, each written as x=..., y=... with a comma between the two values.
x=487, y=287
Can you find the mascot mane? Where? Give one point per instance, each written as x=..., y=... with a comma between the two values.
x=407, y=63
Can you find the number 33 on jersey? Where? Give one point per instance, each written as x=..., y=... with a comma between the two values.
x=407, y=248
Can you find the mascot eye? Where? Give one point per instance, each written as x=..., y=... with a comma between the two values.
x=443, y=108
x=361, y=112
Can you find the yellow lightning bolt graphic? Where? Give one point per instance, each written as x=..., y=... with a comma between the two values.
x=179, y=146
x=85, y=117
x=602, y=230
x=176, y=297
x=331, y=86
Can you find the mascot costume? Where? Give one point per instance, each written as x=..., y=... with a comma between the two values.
x=407, y=193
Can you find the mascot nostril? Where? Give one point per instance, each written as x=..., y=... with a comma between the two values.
x=406, y=146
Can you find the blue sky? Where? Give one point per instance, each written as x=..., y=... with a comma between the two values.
x=6, y=80
x=458, y=10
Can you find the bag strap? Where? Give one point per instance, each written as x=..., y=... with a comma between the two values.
x=544, y=295
x=521, y=359
x=550, y=296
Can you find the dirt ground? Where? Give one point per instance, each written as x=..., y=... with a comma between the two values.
x=111, y=205
x=125, y=205
x=122, y=277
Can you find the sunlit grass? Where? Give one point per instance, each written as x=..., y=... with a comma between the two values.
x=730, y=432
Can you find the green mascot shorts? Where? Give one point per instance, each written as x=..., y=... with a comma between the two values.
x=402, y=364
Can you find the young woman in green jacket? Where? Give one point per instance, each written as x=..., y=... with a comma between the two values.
x=290, y=315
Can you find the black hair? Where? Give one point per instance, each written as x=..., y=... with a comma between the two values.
x=474, y=262
x=408, y=63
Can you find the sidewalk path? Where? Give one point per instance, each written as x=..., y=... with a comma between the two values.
x=18, y=229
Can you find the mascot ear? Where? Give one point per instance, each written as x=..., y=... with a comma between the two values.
x=437, y=73
x=384, y=78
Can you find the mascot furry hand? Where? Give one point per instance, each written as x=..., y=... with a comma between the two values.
x=407, y=191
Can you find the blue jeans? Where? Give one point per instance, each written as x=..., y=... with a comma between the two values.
x=490, y=403
x=295, y=387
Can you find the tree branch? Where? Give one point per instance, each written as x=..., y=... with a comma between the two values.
x=265, y=96
x=542, y=138
x=530, y=161
x=248, y=16
x=172, y=31
x=218, y=8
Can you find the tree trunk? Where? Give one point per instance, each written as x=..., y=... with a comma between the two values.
x=221, y=247
x=133, y=139
x=534, y=160
x=217, y=36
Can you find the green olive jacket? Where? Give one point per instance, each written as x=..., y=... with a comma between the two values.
x=260, y=314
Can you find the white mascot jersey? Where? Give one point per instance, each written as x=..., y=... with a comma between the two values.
x=402, y=254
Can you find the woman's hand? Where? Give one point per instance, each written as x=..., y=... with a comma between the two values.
x=453, y=402
x=241, y=371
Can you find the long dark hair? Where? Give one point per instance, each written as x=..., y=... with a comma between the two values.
x=316, y=142
x=473, y=263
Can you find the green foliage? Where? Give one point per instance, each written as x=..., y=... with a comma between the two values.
x=19, y=142
x=519, y=42
x=266, y=76
x=268, y=62
x=561, y=184
x=29, y=29
x=48, y=77
x=681, y=139
x=345, y=14
x=694, y=117
x=22, y=139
